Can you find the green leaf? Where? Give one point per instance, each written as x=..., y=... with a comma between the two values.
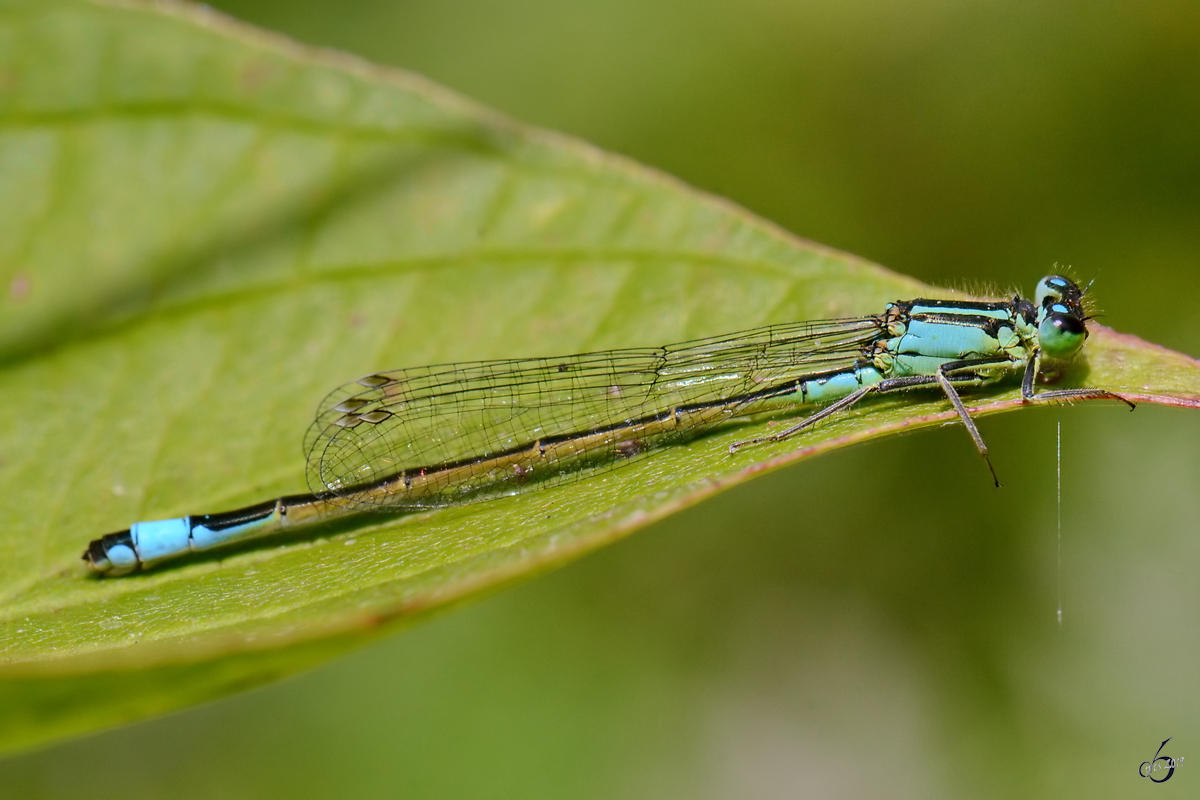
x=206, y=228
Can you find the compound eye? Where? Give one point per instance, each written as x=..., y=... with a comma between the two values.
x=1061, y=335
x=1055, y=288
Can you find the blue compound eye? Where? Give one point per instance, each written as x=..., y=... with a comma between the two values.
x=1061, y=335
x=1054, y=288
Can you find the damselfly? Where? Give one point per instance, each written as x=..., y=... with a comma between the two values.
x=458, y=433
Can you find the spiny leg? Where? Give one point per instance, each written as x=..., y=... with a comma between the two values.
x=964, y=372
x=1030, y=395
x=812, y=419
x=963, y=414
x=883, y=387
x=946, y=375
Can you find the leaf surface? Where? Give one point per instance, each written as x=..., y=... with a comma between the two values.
x=206, y=228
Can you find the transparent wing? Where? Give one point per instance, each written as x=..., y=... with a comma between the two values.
x=455, y=433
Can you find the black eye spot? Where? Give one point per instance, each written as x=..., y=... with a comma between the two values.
x=1067, y=323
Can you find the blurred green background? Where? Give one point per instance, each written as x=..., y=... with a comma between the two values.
x=875, y=623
